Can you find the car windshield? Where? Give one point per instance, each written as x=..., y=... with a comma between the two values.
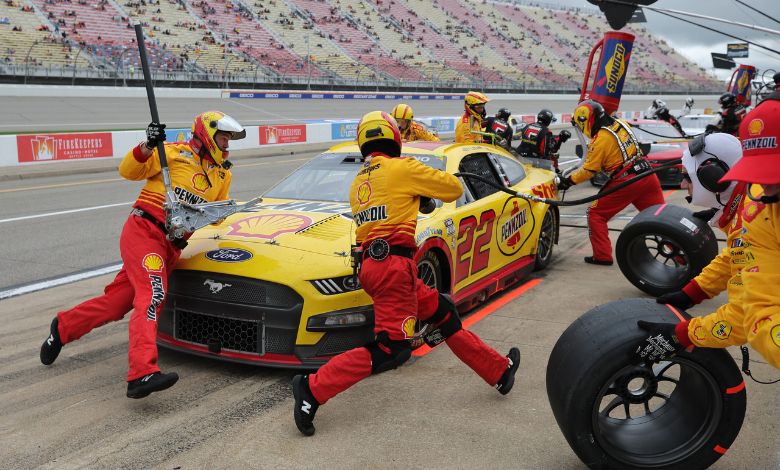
x=654, y=131
x=329, y=176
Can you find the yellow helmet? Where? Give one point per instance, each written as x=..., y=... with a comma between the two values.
x=475, y=98
x=377, y=131
x=402, y=111
x=205, y=127
x=587, y=117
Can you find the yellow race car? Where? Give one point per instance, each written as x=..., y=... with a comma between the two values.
x=276, y=286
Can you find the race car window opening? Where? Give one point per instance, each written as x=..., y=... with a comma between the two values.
x=514, y=170
x=480, y=164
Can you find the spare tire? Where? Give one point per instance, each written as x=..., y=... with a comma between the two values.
x=663, y=248
x=678, y=414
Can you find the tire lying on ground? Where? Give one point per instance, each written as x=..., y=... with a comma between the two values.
x=677, y=414
x=663, y=248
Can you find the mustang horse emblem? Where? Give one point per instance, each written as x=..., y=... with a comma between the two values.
x=215, y=286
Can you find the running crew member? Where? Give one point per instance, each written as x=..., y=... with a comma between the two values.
x=706, y=161
x=473, y=119
x=614, y=149
x=385, y=212
x=537, y=141
x=759, y=237
x=200, y=173
x=411, y=130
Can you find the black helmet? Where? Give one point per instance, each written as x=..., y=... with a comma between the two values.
x=503, y=114
x=545, y=117
x=727, y=100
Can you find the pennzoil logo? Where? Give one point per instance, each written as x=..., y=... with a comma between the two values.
x=616, y=67
x=722, y=330
x=408, y=327
x=158, y=295
x=269, y=226
x=200, y=183
x=509, y=232
x=153, y=263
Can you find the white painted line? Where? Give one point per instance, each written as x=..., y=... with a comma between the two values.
x=71, y=211
x=58, y=281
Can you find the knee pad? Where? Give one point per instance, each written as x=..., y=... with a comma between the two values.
x=447, y=322
x=386, y=354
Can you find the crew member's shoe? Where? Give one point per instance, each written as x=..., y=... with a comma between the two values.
x=507, y=380
x=51, y=348
x=592, y=260
x=142, y=387
x=305, y=405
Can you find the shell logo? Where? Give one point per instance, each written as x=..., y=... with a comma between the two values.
x=364, y=193
x=269, y=226
x=755, y=127
x=153, y=262
x=408, y=327
x=200, y=183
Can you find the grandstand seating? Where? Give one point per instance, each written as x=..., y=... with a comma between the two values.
x=442, y=43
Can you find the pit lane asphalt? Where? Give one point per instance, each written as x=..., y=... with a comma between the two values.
x=432, y=412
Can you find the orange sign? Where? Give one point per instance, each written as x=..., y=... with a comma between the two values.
x=51, y=147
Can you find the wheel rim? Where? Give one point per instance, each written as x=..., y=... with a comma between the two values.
x=427, y=272
x=659, y=260
x=546, y=238
x=657, y=416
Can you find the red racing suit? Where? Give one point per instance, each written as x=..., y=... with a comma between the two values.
x=761, y=277
x=725, y=326
x=385, y=209
x=147, y=254
x=416, y=131
x=615, y=150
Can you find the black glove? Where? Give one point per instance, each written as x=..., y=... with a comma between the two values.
x=565, y=183
x=155, y=134
x=677, y=299
x=427, y=205
x=564, y=136
x=661, y=343
x=706, y=214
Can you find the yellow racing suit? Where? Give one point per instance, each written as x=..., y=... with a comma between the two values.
x=464, y=130
x=724, y=327
x=761, y=278
x=611, y=147
x=416, y=131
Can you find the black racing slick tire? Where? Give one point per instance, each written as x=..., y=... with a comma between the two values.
x=429, y=270
x=616, y=413
x=663, y=248
x=547, y=236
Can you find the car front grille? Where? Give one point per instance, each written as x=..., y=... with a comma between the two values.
x=227, y=333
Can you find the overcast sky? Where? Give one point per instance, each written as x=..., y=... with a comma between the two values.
x=697, y=43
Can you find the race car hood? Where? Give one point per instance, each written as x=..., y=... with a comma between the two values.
x=276, y=232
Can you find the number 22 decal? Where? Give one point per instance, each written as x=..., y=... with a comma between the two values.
x=473, y=253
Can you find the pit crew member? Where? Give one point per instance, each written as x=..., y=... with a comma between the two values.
x=473, y=119
x=731, y=115
x=537, y=141
x=499, y=126
x=385, y=213
x=200, y=172
x=613, y=149
x=410, y=129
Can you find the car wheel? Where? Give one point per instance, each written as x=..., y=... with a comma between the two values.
x=663, y=248
x=544, y=247
x=429, y=270
x=682, y=413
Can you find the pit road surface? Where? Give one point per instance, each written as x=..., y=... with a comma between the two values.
x=432, y=412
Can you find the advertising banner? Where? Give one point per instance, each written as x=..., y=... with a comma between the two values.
x=443, y=125
x=341, y=96
x=51, y=147
x=739, y=49
x=344, y=131
x=282, y=134
x=178, y=135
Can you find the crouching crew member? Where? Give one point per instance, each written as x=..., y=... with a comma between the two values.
x=385, y=197
x=200, y=173
x=613, y=149
x=411, y=130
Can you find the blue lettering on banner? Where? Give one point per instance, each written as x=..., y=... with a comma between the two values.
x=443, y=125
x=343, y=131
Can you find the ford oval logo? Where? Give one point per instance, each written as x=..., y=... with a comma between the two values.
x=229, y=255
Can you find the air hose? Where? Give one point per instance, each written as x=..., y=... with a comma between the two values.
x=577, y=202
